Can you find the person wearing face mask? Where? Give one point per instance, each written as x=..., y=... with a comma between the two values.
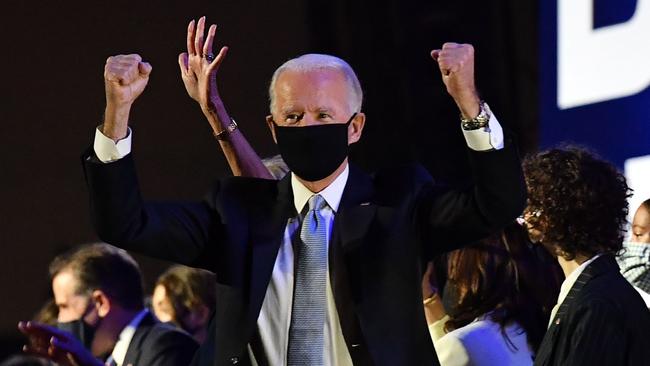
x=101, y=318
x=634, y=260
x=577, y=209
x=495, y=302
x=323, y=266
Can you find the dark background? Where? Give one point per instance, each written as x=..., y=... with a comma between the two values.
x=52, y=99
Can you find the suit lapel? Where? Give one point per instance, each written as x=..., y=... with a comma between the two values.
x=266, y=234
x=356, y=210
x=351, y=224
x=135, y=346
x=600, y=265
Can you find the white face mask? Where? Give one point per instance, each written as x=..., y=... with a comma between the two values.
x=636, y=250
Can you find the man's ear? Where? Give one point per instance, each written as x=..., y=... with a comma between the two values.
x=102, y=303
x=356, y=128
x=269, y=122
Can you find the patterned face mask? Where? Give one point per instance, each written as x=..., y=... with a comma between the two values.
x=634, y=262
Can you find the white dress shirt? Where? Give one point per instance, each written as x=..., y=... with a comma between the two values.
x=275, y=316
x=124, y=340
x=569, y=281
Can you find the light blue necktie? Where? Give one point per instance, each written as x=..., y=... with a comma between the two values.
x=309, y=299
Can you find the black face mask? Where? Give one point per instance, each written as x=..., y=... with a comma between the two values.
x=450, y=298
x=81, y=330
x=313, y=152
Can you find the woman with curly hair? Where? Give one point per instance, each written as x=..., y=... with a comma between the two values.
x=577, y=209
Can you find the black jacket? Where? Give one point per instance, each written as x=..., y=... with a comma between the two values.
x=386, y=227
x=602, y=321
x=158, y=344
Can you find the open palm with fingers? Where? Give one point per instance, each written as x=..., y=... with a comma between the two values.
x=199, y=65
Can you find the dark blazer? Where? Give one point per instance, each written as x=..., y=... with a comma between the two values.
x=387, y=226
x=158, y=344
x=602, y=321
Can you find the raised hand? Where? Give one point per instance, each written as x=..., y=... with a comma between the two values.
x=456, y=63
x=56, y=345
x=125, y=77
x=199, y=65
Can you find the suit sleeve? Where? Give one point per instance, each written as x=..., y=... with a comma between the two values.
x=598, y=338
x=178, y=232
x=450, y=219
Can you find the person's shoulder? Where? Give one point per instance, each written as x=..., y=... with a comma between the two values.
x=480, y=329
x=164, y=344
x=608, y=288
x=485, y=341
x=163, y=333
x=609, y=299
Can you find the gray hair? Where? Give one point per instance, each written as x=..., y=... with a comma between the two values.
x=314, y=62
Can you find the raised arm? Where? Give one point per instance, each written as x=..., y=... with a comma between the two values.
x=199, y=72
x=455, y=217
x=125, y=77
x=174, y=231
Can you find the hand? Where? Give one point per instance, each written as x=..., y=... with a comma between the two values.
x=433, y=309
x=125, y=77
x=429, y=282
x=56, y=345
x=198, y=72
x=456, y=63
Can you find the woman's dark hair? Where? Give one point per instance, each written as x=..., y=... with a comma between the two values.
x=579, y=201
x=507, y=279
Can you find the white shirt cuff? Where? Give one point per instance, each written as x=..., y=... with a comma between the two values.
x=487, y=138
x=108, y=150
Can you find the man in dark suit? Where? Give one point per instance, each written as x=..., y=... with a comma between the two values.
x=101, y=318
x=577, y=209
x=324, y=266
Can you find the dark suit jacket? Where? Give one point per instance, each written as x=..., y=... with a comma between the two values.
x=602, y=321
x=386, y=227
x=158, y=344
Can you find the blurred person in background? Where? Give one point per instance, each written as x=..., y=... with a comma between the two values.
x=101, y=318
x=635, y=258
x=496, y=301
x=577, y=209
x=185, y=297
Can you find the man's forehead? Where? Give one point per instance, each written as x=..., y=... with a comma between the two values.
x=321, y=75
x=64, y=285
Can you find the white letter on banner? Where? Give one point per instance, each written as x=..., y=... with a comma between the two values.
x=596, y=65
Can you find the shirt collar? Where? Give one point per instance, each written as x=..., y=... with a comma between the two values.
x=124, y=340
x=571, y=279
x=332, y=193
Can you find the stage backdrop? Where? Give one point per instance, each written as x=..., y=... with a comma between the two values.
x=52, y=98
x=594, y=82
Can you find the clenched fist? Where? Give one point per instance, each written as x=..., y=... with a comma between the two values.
x=456, y=63
x=125, y=77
